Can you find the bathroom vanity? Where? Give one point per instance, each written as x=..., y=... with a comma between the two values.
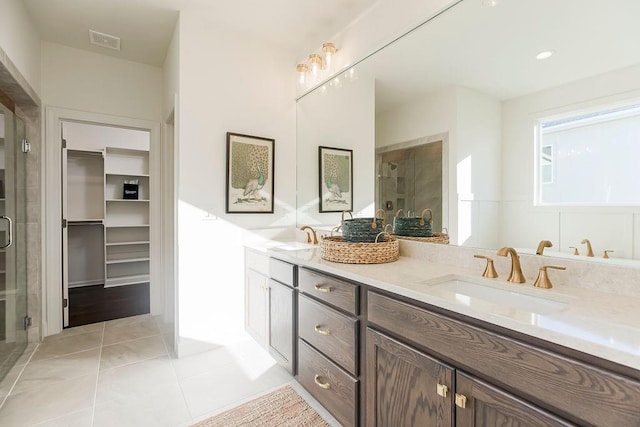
x=422, y=343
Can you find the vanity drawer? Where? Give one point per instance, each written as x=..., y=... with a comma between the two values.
x=335, y=389
x=333, y=291
x=283, y=272
x=552, y=381
x=331, y=332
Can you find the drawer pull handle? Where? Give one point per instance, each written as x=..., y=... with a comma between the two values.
x=442, y=390
x=321, y=384
x=321, y=288
x=461, y=400
x=322, y=331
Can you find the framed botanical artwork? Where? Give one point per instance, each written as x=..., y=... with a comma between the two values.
x=250, y=161
x=336, y=179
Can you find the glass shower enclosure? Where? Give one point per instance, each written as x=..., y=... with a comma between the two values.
x=13, y=256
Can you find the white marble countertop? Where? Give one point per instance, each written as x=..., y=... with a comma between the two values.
x=596, y=323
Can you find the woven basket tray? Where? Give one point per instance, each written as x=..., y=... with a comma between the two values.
x=335, y=249
x=436, y=238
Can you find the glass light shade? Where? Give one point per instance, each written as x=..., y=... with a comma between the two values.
x=316, y=64
x=302, y=70
x=329, y=50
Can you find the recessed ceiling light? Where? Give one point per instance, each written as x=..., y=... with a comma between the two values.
x=104, y=40
x=489, y=3
x=544, y=54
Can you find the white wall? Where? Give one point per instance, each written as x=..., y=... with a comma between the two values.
x=20, y=40
x=81, y=80
x=472, y=121
x=524, y=225
x=171, y=73
x=337, y=117
x=227, y=83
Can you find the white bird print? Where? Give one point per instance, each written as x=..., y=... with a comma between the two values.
x=254, y=185
x=334, y=189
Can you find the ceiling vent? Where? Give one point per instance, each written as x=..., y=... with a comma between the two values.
x=104, y=40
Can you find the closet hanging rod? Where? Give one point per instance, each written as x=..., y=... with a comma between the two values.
x=80, y=222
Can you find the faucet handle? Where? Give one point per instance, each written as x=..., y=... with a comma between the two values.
x=575, y=250
x=606, y=253
x=490, y=270
x=543, y=280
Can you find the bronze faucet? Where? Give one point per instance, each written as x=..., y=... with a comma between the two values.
x=315, y=236
x=606, y=253
x=575, y=250
x=543, y=278
x=589, y=249
x=543, y=244
x=516, y=275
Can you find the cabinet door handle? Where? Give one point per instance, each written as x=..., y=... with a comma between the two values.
x=322, y=331
x=461, y=400
x=322, y=384
x=442, y=390
x=322, y=288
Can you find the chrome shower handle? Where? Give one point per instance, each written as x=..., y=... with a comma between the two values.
x=10, y=232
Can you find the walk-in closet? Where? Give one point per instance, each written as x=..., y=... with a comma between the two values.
x=105, y=227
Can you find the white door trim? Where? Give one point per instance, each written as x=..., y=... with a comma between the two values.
x=52, y=209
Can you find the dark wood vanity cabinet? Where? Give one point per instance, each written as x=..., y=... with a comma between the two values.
x=405, y=387
x=486, y=405
x=328, y=346
x=501, y=380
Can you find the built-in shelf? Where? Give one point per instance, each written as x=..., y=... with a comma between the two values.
x=146, y=175
x=140, y=242
x=126, y=280
x=128, y=200
x=122, y=261
x=126, y=225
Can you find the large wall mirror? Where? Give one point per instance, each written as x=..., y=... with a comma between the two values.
x=460, y=116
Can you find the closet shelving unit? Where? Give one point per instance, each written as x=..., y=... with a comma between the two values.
x=126, y=220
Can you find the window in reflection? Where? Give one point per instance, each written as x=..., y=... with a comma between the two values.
x=590, y=158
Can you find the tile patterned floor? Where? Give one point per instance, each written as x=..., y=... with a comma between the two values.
x=120, y=373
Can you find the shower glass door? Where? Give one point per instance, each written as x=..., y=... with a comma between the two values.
x=13, y=274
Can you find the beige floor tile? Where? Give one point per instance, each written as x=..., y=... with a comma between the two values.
x=61, y=346
x=128, y=320
x=213, y=391
x=129, y=381
x=48, y=402
x=82, y=418
x=43, y=372
x=77, y=330
x=26, y=355
x=126, y=331
x=164, y=406
x=116, y=355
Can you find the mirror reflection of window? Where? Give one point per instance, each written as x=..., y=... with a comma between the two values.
x=590, y=158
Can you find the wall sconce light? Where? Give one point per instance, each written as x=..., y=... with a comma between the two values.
x=316, y=64
x=302, y=70
x=329, y=50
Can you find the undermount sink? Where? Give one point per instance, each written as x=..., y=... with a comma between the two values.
x=295, y=246
x=492, y=298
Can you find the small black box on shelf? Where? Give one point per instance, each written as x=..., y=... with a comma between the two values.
x=130, y=191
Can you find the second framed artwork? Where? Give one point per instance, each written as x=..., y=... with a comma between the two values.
x=336, y=179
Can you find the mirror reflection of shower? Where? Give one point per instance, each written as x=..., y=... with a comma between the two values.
x=411, y=179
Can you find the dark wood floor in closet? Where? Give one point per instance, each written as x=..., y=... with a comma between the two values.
x=92, y=304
